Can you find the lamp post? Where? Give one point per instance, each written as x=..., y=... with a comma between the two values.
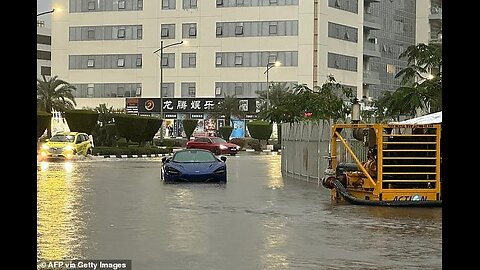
x=355, y=111
x=161, y=79
x=46, y=12
x=269, y=66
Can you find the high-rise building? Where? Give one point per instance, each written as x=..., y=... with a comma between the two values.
x=44, y=42
x=429, y=21
x=106, y=47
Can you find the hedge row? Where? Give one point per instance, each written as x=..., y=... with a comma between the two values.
x=81, y=120
x=43, y=120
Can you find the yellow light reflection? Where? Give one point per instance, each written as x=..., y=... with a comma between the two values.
x=274, y=238
x=59, y=219
x=275, y=179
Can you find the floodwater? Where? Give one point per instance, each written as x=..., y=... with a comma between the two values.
x=119, y=209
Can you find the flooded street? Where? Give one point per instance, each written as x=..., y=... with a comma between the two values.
x=119, y=209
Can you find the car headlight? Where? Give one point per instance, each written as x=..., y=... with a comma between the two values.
x=238, y=147
x=45, y=147
x=223, y=147
x=171, y=170
x=68, y=148
x=220, y=170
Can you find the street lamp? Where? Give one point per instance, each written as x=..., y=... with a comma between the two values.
x=46, y=12
x=161, y=79
x=269, y=66
x=355, y=111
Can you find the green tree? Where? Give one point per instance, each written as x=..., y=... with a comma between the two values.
x=54, y=94
x=421, y=84
x=228, y=107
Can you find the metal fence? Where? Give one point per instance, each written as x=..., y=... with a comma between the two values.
x=305, y=148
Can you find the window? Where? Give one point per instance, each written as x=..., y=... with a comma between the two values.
x=121, y=4
x=140, y=4
x=191, y=91
x=90, y=89
x=218, y=61
x=165, y=61
x=239, y=30
x=90, y=62
x=391, y=69
x=139, y=62
x=139, y=33
x=120, y=91
x=192, y=31
x=121, y=33
x=272, y=29
x=121, y=62
x=165, y=3
x=239, y=2
x=272, y=59
x=218, y=90
x=337, y=3
x=219, y=30
x=91, y=34
x=238, y=90
x=91, y=5
x=165, y=32
x=138, y=92
x=346, y=35
x=238, y=60
x=192, y=61
x=273, y=1
x=219, y=2
x=193, y=3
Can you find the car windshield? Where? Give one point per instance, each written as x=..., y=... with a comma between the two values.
x=218, y=140
x=193, y=156
x=62, y=138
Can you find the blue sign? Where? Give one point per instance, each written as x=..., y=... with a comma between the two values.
x=238, y=129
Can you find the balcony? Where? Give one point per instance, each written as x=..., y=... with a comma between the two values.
x=371, y=49
x=371, y=22
x=435, y=13
x=371, y=77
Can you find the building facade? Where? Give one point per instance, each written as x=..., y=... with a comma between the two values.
x=429, y=21
x=44, y=43
x=106, y=47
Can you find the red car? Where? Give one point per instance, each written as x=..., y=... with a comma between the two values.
x=215, y=144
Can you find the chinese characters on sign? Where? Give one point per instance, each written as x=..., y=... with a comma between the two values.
x=188, y=105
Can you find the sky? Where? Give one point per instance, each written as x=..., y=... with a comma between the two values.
x=42, y=6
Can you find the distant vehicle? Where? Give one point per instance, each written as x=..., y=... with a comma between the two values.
x=194, y=165
x=66, y=145
x=217, y=145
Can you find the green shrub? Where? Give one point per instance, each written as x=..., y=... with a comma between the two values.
x=43, y=120
x=189, y=126
x=238, y=141
x=254, y=144
x=81, y=120
x=225, y=132
x=165, y=142
x=260, y=130
x=170, y=142
x=277, y=147
x=130, y=127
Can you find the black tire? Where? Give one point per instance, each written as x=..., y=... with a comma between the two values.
x=216, y=151
x=233, y=154
x=89, y=152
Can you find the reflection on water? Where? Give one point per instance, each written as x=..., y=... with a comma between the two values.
x=59, y=221
x=275, y=179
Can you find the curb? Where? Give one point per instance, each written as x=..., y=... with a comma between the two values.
x=134, y=156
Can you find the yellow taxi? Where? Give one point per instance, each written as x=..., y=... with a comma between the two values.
x=66, y=145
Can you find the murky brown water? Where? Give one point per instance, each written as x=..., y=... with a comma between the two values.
x=119, y=209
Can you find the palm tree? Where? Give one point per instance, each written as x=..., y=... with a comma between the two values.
x=54, y=94
x=228, y=107
x=422, y=79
